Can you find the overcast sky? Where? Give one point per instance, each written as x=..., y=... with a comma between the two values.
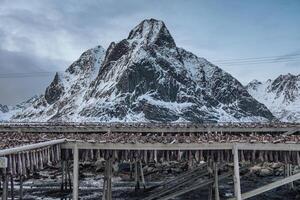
x=47, y=35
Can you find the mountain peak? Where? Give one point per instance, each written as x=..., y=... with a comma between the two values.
x=152, y=31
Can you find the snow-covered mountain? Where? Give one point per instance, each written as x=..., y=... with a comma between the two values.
x=281, y=96
x=144, y=77
x=6, y=112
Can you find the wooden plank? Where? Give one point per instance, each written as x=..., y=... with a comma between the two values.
x=187, y=180
x=291, y=132
x=30, y=147
x=183, y=146
x=197, y=185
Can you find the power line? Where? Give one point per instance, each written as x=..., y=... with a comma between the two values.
x=259, y=58
x=226, y=62
x=257, y=62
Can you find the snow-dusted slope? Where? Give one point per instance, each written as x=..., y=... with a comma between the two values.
x=281, y=96
x=6, y=112
x=65, y=94
x=145, y=77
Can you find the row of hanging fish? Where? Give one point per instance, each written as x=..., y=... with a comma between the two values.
x=25, y=163
x=89, y=155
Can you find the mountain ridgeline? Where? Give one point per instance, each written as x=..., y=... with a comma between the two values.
x=281, y=96
x=144, y=77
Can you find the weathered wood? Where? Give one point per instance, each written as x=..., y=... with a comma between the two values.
x=12, y=194
x=75, y=172
x=196, y=185
x=21, y=187
x=182, y=146
x=237, y=184
x=142, y=175
x=136, y=176
x=30, y=147
x=182, y=181
x=270, y=186
x=5, y=184
x=62, y=187
x=107, y=185
x=216, y=182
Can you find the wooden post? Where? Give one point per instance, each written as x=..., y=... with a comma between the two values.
x=5, y=184
x=75, y=172
x=107, y=187
x=289, y=172
x=21, y=187
x=130, y=169
x=216, y=184
x=104, y=194
x=142, y=175
x=12, y=188
x=62, y=187
x=210, y=187
x=69, y=176
x=66, y=175
x=237, y=184
x=136, y=176
x=109, y=180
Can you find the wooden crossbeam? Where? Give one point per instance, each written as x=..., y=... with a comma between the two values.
x=196, y=185
x=270, y=186
x=291, y=132
x=183, y=146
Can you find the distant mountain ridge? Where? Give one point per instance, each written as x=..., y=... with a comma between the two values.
x=281, y=96
x=144, y=77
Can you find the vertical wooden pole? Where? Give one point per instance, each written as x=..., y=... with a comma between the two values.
x=237, y=184
x=75, y=172
x=136, y=176
x=289, y=172
x=21, y=187
x=12, y=195
x=216, y=184
x=210, y=187
x=107, y=185
x=130, y=170
x=62, y=188
x=69, y=176
x=66, y=175
x=105, y=178
x=142, y=175
x=5, y=184
x=109, y=180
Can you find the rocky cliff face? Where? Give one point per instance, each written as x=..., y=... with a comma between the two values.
x=3, y=108
x=145, y=77
x=281, y=96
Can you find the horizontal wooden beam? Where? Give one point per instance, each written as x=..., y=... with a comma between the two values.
x=182, y=146
x=30, y=147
